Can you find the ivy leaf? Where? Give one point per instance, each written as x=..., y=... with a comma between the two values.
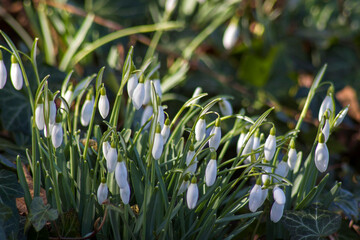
x=5, y=212
x=41, y=213
x=346, y=202
x=313, y=223
x=9, y=186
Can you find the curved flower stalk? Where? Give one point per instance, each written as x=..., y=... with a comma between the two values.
x=327, y=103
x=190, y=163
x=57, y=133
x=121, y=173
x=86, y=110
x=231, y=34
x=165, y=131
x=282, y=169
x=15, y=74
x=138, y=95
x=39, y=115
x=211, y=170
x=131, y=84
x=158, y=143
x=341, y=115
x=200, y=129
x=105, y=148
x=102, y=191
x=256, y=142
x=257, y=196
x=276, y=212
x=214, y=141
x=292, y=155
x=111, y=158
x=225, y=107
x=125, y=193
x=3, y=72
x=321, y=154
x=270, y=145
x=104, y=106
x=67, y=96
x=147, y=113
x=240, y=141
x=192, y=194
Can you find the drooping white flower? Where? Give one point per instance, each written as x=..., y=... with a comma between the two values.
x=265, y=176
x=104, y=106
x=225, y=107
x=170, y=5
x=256, y=143
x=192, y=194
x=121, y=173
x=161, y=116
x=105, y=148
x=102, y=191
x=183, y=187
x=248, y=148
x=191, y=160
x=147, y=96
x=39, y=115
x=165, y=131
x=341, y=115
x=111, y=158
x=321, y=154
x=327, y=103
x=52, y=115
x=131, y=84
x=276, y=212
x=87, y=109
x=15, y=74
x=255, y=198
x=3, y=72
x=282, y=169
x=211, y=170
x=125, y=193
x=47, y=132
x=147, y=113
x=200, y=129
x=270, y=145
x=138, y=96
x=67, y=96
x=279, y=195
x=292, y=155
x=214, y=141
x=157, y=86
x=57, y=133
x=158, y=143
x=264, y=195
x=196, y=93
x=326, y=129
x=231, y=34
x=240, y=141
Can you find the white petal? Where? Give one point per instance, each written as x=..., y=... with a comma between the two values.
x=121, y=174
x=282, y=170
x=211, y=172
x=161, y=116
x=57, y=135
x=279, y=195
x=256, y=145
x=263, y=196
x=189, y=157
x=39, y=116
x=105, y=148
x=104, y=106
x=165, y=132
x=147, y=87
x=326, y=104
x=3, y=74
x=192, y=168
x=67, y=98
x=341, y=116
x=125, y=194
x=131, y=85
x=255, y=198
x=138, y=96
x=276, y=212
x=326, y=130
x=248, y=148
x=321, y=157
x=47, y=133
x=230, y=36
x=148, y=111
x=102, y=193
x=16, y=76
x=292, y=158
x=200, y=130
x=265, y=176
x=240, y=142
x=52, y=115
x=192, y=195
x=170, y=5
x=214, y=141
x=86, y=112
x=158, y=146
x=183, y=187
x=157, y=86
x=270, y=147
x=111, y=159
x=225, y=107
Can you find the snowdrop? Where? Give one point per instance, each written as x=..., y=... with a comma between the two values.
x=170, y=5
x=161, y=116
x=321, y=154
x=157, y=86
x=147, y=87
x=292, y=155
x=87, y=109
x=276, y=212
x=15, y=73
x=138, y=95
x=191, y=160
x=327, y=103
x=256, y=142
x=265, y=176
x=111, y=158
x=211, y=170
x=196, y=93
x=52, y=106
x=3, y=72
x=214, y=141
x=248, y=147
x=192, y=194
x=256, y=197
x=240, y=141
x=165, y=131
x=158, y=143
x=225, y=107
x=39, y=115
x=105, y=148
x=270, y=145
x=121, y=173
x=104, y=105
x=282, y=169
x=200, y=129
x=57, y=133
x=184, y=185
x=341, y=115
x=67, y=96
x=131, y=85
x=279, y=195
x=125, y=193
x=326, y=128
x=147, y=113
x=231, y=34
x=102, y=191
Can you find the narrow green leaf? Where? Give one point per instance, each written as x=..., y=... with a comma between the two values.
x=23, y=182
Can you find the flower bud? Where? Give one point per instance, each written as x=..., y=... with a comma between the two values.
x=321, y=154
x=157, y=86
x=270, y=145
x=161, y=116
x=256, y=143
x=225, y=107
x=111, y=158
x=248, y=148
x=191, y=162
x=211, y=170
x=165, y=132
x=240, y=141
x=192, y=194
x=121, y=173
x=279, y=195
x=158, y=143
x=3, y=72
x=125, y=193
x=102, y=191
x=276, y=212
x=231, y=34
x=265, y=176
x=52, y=105
x=67, y=96
x=341, y=115
x=138, y=95
x=104, y=106
x=39, y=116
x=105, y=148
x=326, y=128
x=327, y=103
x=15, y=73
x=292, y=155
x=255, y=198
x=196, y=93
x=57, y=133
x=214, y=141
x=200, y=129
x=147, y=96
x=131, y=85
x=86, y=110
x=148, y=111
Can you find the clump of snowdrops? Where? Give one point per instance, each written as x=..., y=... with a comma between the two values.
x=155, y=175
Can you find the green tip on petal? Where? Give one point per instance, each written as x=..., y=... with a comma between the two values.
x=13, y=59
x=330, y=90
x=158, y=100
x=103, y=180
x=40, y=101
x=213, y=155
x=243, y=130
x=267, y=183
x=102, y=91
x=285, y=158
x=142, y=79
x=191, y=148
x=113, y=144
x=194, y=180
x=292, y=143
x=258, y=181
x=119, y=159
x=321, y=138
x=158, y=129
x=71, y=87
x=58, y=118
x=1, y=56
x=167, y=122
x=89, y=94
x=187, y=177
x=202, y=117
x=218, y=122
x=273, y=131
x=257, y=133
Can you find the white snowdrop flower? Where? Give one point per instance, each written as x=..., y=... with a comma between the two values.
x=327, y=103
x=200, y=129
x=256, y=196
x=326, y=128
x=264, y=194
x=279, y=195
x=3, y=72
x=157, y=86
x=104, y=106
x=121, y=173
x=52, y=114
x=225, y=107
x=192, y=194
x=147, y=96
x=131, y=84
x=256, y=142
x=240, y=141
x=39, y=115
x=15, y=73
x=105, y=148
x=161, y=116
x=214, y=141
x=147, y=113
x=248, y=148
x=292, y=155
x=321, y=154
x=138, y=95
x=158, y=143
x=165, y=131
x=57, y=133
x=125, y=193
x=211, y=170
x=170, y=5
x=196, y=93
x=265, y=176
x=270, y=145
x=190, y=163
x=183, y=187
x=340, y=117
x=102, y=191
x=111, y=158
x=276, y=212
x=282, y=169
x=67, y=96
x=231, y=34
x=87, y=109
